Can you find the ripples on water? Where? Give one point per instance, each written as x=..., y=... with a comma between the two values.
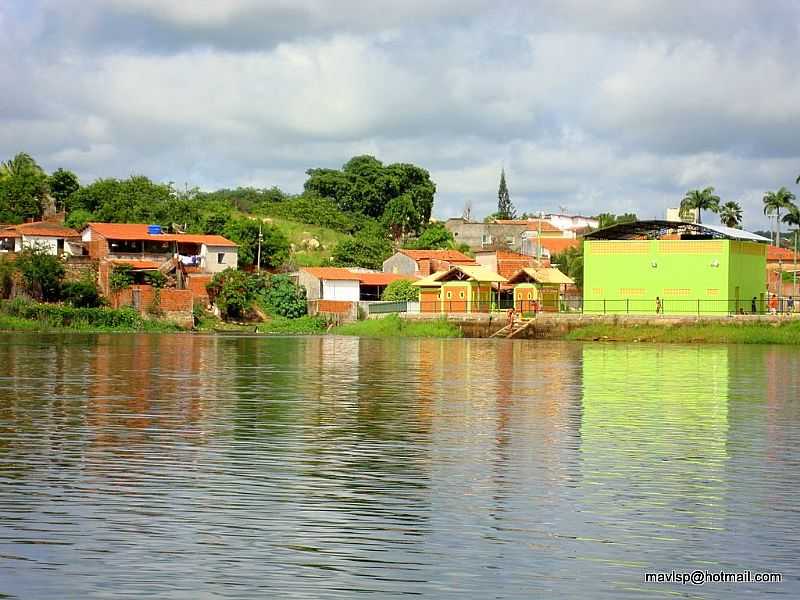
x=197, y=466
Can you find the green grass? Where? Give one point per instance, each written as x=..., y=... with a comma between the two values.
x=21, y=315
x=394, y=326
x=723, y=333
x=297, y=232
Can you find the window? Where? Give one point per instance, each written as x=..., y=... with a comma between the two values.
x=449, y=295
x=124, y=246
x=461, y=295
x=220, y=258
x=486, y=239
x=510, y=240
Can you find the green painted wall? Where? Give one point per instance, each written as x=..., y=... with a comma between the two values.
x=626, y=276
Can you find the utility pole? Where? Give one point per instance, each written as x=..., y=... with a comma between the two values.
x=260, y=237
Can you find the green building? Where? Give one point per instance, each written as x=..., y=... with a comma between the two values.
x=677, y=268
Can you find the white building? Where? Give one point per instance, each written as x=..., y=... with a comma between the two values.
x=54, y=238
x=572, y=222
x=345, y=285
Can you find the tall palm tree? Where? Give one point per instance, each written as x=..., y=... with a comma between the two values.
x=730, y=214
x=774, y=202
x=699, y=200
x=17, y=165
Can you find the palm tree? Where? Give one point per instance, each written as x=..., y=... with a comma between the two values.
x=699, y=200
x=730, y=214
x=774, y=202
x=17, y=165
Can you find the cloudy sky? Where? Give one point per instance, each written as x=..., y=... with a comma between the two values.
x=615, y=106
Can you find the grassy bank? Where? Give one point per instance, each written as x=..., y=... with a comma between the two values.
x=394, y=326
x=21, y=315
x=723, y=333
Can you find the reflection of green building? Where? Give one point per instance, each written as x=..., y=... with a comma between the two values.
x=655, y=428
x=693, y=269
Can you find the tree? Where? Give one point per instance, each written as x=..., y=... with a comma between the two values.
x=774, y=202
x=274, y=244
x=366, y=186
x=401, y=290
x=699, y=200
x=23, y=188
x=41, y=273
x=792, y=217
x=609, y=219
x=368, y=249
x=505, y=209
x=730, y=214
x=434, y=237
x=399, y=216
x=232, y=291
x=63, y=184
x=77, y=219
x=570, y=262
x=81, y=294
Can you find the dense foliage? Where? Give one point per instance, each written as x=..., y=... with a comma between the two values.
x=245, y=232
x=282, y=297
x=81, y=294
x=400, y=291
x=59, y=316
x=609, y=219
x=121, y=276
x=366, y=186
x=41, y=273
x=570, y=262
x=235, y=292
x=23, y=189
x=366, y=249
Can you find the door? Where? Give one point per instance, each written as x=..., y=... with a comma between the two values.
x=60, y=247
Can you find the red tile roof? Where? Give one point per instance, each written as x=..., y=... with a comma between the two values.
x=449, y=255
x=367, y=278
x=556, y=245
x=775, y=254
x=137, y=264
x=138, y=231
x=41, y=229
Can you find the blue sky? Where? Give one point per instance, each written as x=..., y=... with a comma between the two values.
x=619, y=108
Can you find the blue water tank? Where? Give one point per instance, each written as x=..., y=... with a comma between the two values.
x=154, y=229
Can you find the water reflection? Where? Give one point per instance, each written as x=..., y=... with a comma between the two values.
x=201, y=466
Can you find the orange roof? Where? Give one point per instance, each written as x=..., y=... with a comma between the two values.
x=41, y=229
x=780, y=254
x=367, y=278
x=556, y=245
x=448, y=255
x=138, y=231
x=137, y=264
x=533, y=224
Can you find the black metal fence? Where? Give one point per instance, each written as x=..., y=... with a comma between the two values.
x=626, y=306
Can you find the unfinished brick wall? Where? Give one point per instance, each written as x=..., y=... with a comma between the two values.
x=197, y=284
x=77, y=269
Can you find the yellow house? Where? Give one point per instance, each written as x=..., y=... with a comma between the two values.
x=461, y=289
x=538, y=289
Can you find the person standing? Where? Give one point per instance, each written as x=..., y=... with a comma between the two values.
x=659, y=306
x=773, y=305
x=753, y=308
x=790, y=304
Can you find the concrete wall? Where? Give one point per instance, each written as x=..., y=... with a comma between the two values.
x=312, y=285
x=50, y=244
x=209, y=258
x=473, y=234
x=400, y=263
x=341, y=290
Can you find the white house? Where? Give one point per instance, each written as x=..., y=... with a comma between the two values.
x=54, y=238
x=348, y=285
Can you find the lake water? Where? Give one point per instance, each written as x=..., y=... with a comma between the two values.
x=189, y=466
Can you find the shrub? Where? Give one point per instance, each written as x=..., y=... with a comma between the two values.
x=81, y=294
x=41, y=273
x=155, y=278
x=121, y=277
x=285, y=298
x=401, y=291
x=232, y=291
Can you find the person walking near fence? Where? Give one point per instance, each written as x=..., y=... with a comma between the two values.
x=790, y=304
x=773, y=305
x=753, y=308
x=659, y=306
